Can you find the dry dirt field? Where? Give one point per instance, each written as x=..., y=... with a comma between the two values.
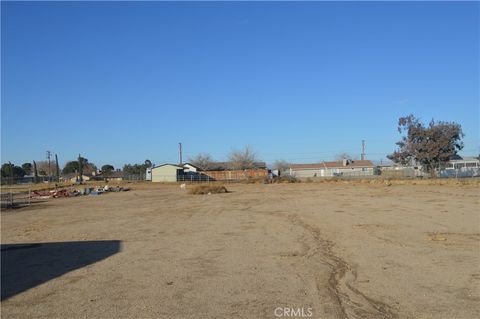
x=345, y=250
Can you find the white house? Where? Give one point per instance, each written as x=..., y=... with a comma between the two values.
x=461, y=166
x=188, y=167
x=459, y=162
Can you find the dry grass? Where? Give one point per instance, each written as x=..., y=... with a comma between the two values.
x=207, y=189
x=284, y=179
x=397, y=181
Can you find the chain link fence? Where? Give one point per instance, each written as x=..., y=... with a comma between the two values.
x=15, y=198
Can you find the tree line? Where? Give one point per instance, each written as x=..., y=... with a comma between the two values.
x=79, y=166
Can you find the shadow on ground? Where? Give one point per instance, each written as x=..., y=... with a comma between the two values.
x=25, y=266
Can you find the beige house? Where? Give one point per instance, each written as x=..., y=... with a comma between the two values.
x=330, y=169
x=166, y=173
x=73, y=178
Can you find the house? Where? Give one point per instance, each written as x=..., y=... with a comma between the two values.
x=459, y=162
x=188, y=167
x=110, y=176
x=461, y=166
x=73, y=177
x=230, y=171
x=328, y=169
x=167, y=173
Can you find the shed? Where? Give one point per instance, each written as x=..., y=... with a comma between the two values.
x=166, y=173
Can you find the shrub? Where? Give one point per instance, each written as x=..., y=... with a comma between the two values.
x=207, y=189
x=282, y=179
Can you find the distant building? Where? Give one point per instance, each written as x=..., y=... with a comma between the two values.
x=167, y=173
x=461, y=166
x=188, y=167
x=217, y=171
x=110, y=176
x=73, y=177
x=459, y=162
x=330, y=169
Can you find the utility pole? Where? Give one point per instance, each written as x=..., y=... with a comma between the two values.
x=57, y=168
x=363, y=150
x=180, y=152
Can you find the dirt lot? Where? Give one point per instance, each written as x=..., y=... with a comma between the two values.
x=344, y=250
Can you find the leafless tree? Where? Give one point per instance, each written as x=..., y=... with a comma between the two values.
x=44, y=168
x=281, y=165
x=203, y=161
x=342, y=156
x=244, y=158
x=430, y=145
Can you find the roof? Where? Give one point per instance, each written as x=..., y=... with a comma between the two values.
x=179, y=167
x=112, y=174
x=191, y=165
x=464, y=159
x=336, y=164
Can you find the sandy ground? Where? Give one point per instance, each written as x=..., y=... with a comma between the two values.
x=336, y=250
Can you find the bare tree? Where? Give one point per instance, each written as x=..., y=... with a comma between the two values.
x=244, y=158
x=43, y=168
x=203, y=161
x=281, y=165
x=430, y=145
x=342, y=156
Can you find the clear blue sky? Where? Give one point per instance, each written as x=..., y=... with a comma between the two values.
x=121, y=82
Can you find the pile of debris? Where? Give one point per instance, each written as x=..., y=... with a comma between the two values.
x=75, y=192
x=101, y=190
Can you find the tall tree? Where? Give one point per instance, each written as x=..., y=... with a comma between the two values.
x=135, y=169
x=107, y=169
x=281, y=165
x=430, y=146
x=203, y=160
x=27, y=168
x=11, y=172
x=74, y=166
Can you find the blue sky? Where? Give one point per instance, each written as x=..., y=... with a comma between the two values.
x=121, y=82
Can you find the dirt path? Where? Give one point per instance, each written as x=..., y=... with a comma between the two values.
x=341, y=251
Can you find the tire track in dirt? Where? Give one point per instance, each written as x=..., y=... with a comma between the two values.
x=350, y=301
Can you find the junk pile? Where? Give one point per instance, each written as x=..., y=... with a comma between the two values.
x=94, y=191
